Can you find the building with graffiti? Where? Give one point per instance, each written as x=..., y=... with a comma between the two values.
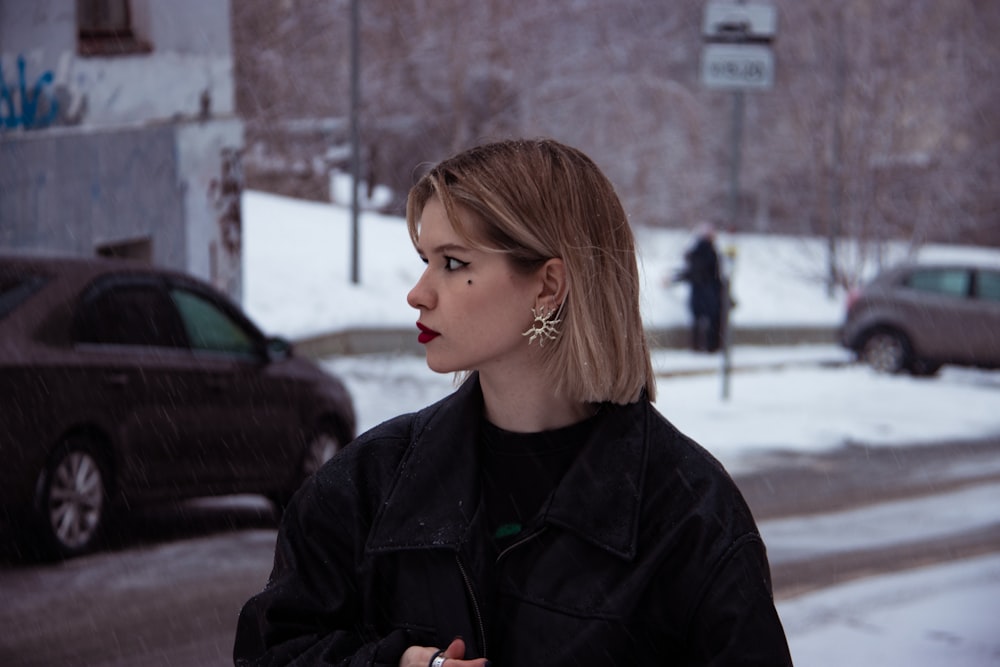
x=118, y=133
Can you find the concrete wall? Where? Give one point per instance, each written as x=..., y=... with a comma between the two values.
x=73, y=192
x=176, y=186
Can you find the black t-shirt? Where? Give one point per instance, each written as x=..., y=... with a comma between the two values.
x=520, y=470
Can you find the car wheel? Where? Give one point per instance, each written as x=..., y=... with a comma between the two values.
x=885, y=351
x=924, y=368
x=322, y=444
x=72, y=502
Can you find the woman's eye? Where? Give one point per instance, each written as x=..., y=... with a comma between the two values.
x=452, y=264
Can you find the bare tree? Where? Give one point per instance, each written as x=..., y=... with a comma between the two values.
x=881, y=124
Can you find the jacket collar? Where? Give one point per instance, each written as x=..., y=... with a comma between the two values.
x=435, y=492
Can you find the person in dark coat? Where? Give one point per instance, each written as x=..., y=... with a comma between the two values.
x=545, y=513
x=702, y=271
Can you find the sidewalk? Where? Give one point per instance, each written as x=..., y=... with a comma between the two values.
x=676, y=362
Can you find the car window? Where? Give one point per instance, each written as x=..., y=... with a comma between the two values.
x=209, y=328
x=129, y=314
x=14, y=290
x=953, y=282
x=988, y=287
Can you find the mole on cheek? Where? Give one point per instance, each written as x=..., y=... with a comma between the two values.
x=470, y=282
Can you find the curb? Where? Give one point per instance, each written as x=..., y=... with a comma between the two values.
x=404, y=341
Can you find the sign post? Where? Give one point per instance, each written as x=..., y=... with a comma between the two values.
x=736, y=56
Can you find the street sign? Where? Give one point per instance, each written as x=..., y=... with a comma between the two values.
x=737, y=66
x=740, y=22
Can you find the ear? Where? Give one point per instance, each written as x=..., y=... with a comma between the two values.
x=554, y=283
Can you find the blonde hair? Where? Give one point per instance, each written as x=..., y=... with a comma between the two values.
x=539, y=199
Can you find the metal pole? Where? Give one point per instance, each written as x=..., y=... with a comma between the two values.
x=836, y=150
x=734, y=217
x=355, y=136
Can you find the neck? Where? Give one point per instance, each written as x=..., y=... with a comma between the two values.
x=526, y=403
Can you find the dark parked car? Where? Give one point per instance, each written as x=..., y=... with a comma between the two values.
x=121, y=383
x=918, y=317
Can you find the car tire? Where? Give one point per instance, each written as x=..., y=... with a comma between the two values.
x=321, y=444
x=924, y=368
x=72, y=502
x=886, y=351
x=320, y=448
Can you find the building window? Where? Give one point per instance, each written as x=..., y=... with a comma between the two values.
x=105, y=28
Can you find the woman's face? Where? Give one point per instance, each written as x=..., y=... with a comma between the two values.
x=473, y=305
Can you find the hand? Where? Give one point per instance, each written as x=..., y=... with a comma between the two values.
x=420, y=656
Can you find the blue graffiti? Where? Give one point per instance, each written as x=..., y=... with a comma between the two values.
x=31, y=102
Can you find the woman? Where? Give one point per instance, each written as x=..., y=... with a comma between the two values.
x=544, y=513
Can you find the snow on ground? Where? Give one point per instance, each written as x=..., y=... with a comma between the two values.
x=941, y=615
x=797, y=406
x=297, y=283
x=298, y=268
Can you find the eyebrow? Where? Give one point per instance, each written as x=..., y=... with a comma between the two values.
x=447, y=247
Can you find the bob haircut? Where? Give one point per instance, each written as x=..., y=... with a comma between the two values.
x=539, y=199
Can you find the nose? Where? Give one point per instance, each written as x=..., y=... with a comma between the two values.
x=421, y=296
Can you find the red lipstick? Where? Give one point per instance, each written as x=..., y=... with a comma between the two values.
x=426, y=335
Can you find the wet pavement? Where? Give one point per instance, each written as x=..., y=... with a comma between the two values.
x=860, y=511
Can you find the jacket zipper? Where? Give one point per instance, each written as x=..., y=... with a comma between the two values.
x=472, y=592
x=525, y=538
x=475, y=603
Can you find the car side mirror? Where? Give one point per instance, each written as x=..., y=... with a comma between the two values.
x=278, y=348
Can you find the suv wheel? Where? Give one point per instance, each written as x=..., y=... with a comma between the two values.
x=885, y=351
x=72, y=501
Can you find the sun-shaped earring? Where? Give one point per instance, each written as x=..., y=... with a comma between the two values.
x=543, y=327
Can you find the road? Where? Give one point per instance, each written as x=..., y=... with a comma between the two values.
x=861, y=511
x=169, y=594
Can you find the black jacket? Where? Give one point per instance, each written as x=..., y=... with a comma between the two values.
x=645, y=554
x=701, y=264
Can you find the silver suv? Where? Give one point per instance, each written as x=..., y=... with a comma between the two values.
x=918, y=317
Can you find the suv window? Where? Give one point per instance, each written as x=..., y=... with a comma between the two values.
x=130, y=314
x=988, y=287
x=211, y=329
x=952, y=282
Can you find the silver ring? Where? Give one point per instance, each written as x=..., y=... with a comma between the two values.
x=438, y=661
